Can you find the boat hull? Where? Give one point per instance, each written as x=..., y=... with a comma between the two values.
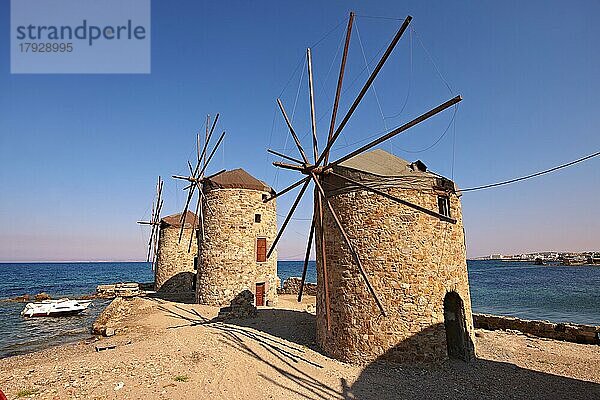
x=54, y=314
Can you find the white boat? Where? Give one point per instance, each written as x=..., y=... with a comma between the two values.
x=55, y=308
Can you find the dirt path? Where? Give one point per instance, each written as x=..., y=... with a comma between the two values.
x=168, y=350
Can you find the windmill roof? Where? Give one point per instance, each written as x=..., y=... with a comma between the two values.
x=175, y=220
x=380, y=162
x=380, y=169
x=238, y=179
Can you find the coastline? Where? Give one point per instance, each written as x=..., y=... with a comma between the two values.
x=174, y=350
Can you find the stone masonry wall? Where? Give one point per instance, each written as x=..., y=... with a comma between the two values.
x=588, y=334
x=227, y=257
x=292, y=286
x=412, y=260
x=175, y=266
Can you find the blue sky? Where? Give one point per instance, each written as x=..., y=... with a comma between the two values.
x=79, y=154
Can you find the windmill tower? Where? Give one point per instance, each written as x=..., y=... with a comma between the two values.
x=172, y=263
x=391, y=263
x=235, y=228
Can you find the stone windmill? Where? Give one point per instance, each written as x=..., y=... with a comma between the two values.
x=154, y=222
x=235, y=227
x=382, y=228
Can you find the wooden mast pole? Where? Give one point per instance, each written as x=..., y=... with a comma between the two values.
x=366, y=87
x=338, y=90
x=349, y=244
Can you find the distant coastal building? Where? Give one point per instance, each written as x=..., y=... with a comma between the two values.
x=416, y=262
x=239, y=228
x=175, y=266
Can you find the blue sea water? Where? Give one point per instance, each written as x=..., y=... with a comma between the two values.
x=555, y=293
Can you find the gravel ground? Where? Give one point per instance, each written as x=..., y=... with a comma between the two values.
x=168, y=350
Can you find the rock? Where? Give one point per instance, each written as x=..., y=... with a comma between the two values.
x=19, y=299
x=108, y=332
x=42, y=296
x=242, y=306
x=119, y=386
x=116, y=311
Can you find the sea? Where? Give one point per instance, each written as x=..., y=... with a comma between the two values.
x=550, y=292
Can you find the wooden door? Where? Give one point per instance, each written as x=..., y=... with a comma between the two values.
x=454, y=322
x=260, y=294
x=261, y=250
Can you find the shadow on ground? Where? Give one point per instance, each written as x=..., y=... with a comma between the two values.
x=379, y=380
x=183, y=297
x=454, y=379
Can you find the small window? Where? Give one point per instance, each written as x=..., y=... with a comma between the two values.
x=195, y=263
x=444, y=205
x=264, y=197
x=261, y=250
x=257, y=218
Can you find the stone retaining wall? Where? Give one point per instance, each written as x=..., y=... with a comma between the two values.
x=292, y=286
x=587, y=334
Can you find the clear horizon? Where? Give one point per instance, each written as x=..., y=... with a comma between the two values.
x=79, y=154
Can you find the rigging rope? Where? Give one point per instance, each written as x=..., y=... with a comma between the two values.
x=431, y=146
x=491, y=185
x=362, y=49
x=433, y=62
x=410, y=74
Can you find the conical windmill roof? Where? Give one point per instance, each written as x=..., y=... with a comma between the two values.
x=380, y=162
x=380, y=169
x=191, y=220
x=237, y=179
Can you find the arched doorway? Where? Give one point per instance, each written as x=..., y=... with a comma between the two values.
x=456, y=331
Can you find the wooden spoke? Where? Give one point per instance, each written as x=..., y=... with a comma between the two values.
x=155, y=252
x=195, y=223
x=157, y=235
x=285, y=156
x=308, y=246
x=190, y=168
x=213, y=175
x=287, y=189
x=288, y=217
x=296, y=140
x=205, y=140
x=198, y=147
x=288, y=166
x=311, y=94
x=400, y=129
x=348, y=243
x=338, y=90
x=321, y=233
x=184, y=178
x=396, y=199
x=202, y=218
x=212, y=153
x=185, y=209
x=366, y=87
x=150, y=243
x=154, y=219
x=205, y=147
